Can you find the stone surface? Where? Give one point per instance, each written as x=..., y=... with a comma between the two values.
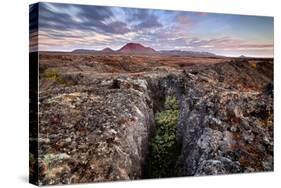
x=95, y=126
x=226, y=128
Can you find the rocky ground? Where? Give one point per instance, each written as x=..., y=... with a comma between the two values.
x=95, y=125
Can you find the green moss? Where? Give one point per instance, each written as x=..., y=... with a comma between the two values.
x=253, y=65
x=53, y=75
x=49, y=159
x=50, y=74
x=163, y=147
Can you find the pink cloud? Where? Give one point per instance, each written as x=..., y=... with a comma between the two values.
x=228, y=43
x=183, y=19
x=202, y=13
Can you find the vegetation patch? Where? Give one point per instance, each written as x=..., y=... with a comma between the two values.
x=163, y=148
x=253, y=65
x=53, y=75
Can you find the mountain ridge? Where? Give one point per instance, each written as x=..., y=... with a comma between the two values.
x=137, y=48
x=107, y=50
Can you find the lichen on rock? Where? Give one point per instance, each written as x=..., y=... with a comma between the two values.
x=108, y=123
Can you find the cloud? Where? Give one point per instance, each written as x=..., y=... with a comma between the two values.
x=202, y=13
x=149, y=23
x=33, y=18
x=70, y=26
x=183, y=19
x=33, y=28
x=67, y=26
x=117, y=28
x=69, y=40
x=87, y=18
x=227, y=43
x=142, y=19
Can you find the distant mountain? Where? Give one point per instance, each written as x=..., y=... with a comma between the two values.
x=242, y=56
x=107, y=50
x=84, y=51
x=188, y=53
x=136, y=48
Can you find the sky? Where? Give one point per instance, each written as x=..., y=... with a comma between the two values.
x=66, y=27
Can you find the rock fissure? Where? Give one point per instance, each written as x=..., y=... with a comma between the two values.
x=114, y=127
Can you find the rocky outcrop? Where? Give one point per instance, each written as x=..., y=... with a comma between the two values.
x=226, y=127
x=97, y=127
x=94, y=133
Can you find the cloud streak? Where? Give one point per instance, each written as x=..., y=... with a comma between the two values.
x=227, y=43
x=64, y=27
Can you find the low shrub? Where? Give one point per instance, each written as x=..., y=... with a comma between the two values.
x=50, y=74
x=163, y=147
x=53, y=75
x=253, y=65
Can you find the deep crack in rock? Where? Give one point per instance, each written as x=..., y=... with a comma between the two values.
x=97, y=127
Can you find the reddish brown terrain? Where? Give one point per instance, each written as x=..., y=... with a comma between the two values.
x=101, y=115
x=135, y=47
